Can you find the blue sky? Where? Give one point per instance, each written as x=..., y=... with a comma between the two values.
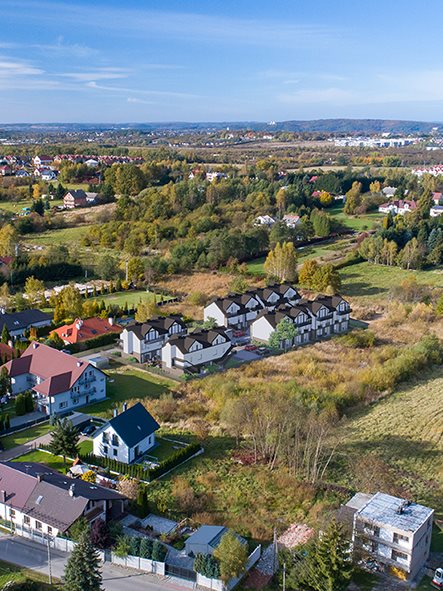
x=219, y=60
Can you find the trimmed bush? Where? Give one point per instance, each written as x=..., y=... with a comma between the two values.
x=158, y=551
x=146, y=548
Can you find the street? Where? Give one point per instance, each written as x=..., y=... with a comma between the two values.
x=35, y=556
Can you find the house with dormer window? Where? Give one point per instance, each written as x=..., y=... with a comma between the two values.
x=192, y=352
x=144, y=340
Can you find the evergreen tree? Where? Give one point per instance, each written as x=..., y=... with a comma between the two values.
x=146, y=548
x=64, y=439
x=82, y=572
x=6, y=337
x=5, y=382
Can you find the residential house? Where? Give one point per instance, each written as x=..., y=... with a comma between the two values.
x=291, y=220
x=437, y=198
x=48, y=175
x=206, y=539
x=389, y=191
x=22, y=173
x=5, y=170
x=144, y=340
x=18, y=323
x=40, y=161
x=36, y=499
x=394, y=532
x=313, y=319
x=61, y=382
x=79, y=198
x=84, y=330
x=398, y=207
x=92, y=163
x=127, y=436
x=192, y=352
x=264, y=220
x=238, y=311
x=215, y=176
x=436, y=211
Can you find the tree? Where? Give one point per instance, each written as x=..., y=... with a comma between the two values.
x=353, y=198
x=122, y=546
x=232, y=555
x=411, y=257
x=8, y=240
x=209, y=323
x=307, y=272
x=281, y=263
x=328, y=565
x=128, y=487
x=34, y=289
x=146, y=310
x=82, y=572
x=284, y=333
x=100, y=537
x=5, y=296
x=6, y=337
x=20, y=405
x=89, y=476
x=64, y=439
x=135, y=269
x=107, y=267
x=69, y=303
x=326, y=278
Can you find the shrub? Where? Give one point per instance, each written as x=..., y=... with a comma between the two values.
x=207, y=565
x=158, y=551
x=134, y=546
x=20, y=405
x=146, y=548
x=100, y=534
x=359, y=339
x=122, y=546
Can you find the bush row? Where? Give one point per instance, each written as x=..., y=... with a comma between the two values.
x=100, y=341
x=139, y=471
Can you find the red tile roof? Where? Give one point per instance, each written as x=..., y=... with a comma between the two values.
x=83, y=330
x=58, y=371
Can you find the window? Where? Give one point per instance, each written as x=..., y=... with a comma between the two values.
x=399, y=556
x=105, y=450
x=105, y=438
x=12, y=514
x=115, y=441
x=38, y=525
x=63, y=405
x=49, y=529
x=27, y=520
x=115, y=452
x=400, y=538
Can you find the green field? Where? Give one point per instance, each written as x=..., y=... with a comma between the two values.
x=10, y=441
x=132, y=297
x=405, y=430
x=358, y=223
x=18, y=206
x=129, y=384
x=17, y=574
x=163, y=449
x=367, y=279
x=42, y=457
x=67, y=236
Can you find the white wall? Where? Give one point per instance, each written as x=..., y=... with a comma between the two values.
x=124, y=454
x=213, y=311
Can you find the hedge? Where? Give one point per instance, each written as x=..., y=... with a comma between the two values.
x=104, y=339
x=139, y=471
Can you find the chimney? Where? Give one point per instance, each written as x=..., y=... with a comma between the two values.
x=2, y=310
x=111, y=321
x=72, y=490
x=34, y=345
x=125, y=406
x=79, y=363
x=39, y=477
x=115, y=412
x=10, y=344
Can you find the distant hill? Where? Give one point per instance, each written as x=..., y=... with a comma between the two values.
x=346, y=126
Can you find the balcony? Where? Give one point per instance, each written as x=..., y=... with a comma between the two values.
x=364, y=535
x=87, y=381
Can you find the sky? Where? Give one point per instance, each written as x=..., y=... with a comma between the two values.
x=110, y=61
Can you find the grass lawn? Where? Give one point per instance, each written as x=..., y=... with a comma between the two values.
x=17, y=206
x=369, y=280
x=359, y=223
x=126, y=384
x=405, y=431
x=132, y=297
x=425, y=585
x=364, y=580
x=163, y=449
x=10, y=441
x=60, y=236
x=85, y=447
x=42, y=457
x=18, y=574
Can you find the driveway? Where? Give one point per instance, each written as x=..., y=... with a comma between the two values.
x=35, y=557
x=243, y=356
x=20, y=450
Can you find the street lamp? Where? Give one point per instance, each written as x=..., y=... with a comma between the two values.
x=48, y=541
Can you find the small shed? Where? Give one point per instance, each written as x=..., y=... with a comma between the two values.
x=205, y=540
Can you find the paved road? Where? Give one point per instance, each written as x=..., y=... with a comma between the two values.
x=19, y=450
x=35, y=556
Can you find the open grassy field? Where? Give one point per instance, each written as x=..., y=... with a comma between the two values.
x=129, y=384
x=67, y=236
x=42, y=457
x=406, y=431
x=10, y=441
x=132, y=297
x=17, y=574
x=18, y=206
x=358, y=223
x=369, y=280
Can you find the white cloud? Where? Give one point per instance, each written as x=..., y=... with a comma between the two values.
x=98, y=74
x=138, y=101
x=12, y=68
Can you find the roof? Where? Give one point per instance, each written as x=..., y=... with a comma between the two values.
x=209, y=535
x=84, y=330
x=22, y=320
x=204, y=337
x=133, y=425
x=386, y=510
x=58, y=371
x=43, y=493
x=161, y=324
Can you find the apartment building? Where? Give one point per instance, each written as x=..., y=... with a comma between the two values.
x=144, y=340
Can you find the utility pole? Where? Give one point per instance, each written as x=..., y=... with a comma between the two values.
x=49, y=560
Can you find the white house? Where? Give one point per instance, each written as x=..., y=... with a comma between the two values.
x=127, y=436
x=92, y=163
x=39, y=161
x=192, y=352
x=392, y=531
x=61, y=382
x=264, y=220
x=238, y=311
x=48, y=175
x=436, y=211
x=398, y=207
x=291, y=220
x=36, y=499
x=313, y=320
x=389, y=191
x=144, y=340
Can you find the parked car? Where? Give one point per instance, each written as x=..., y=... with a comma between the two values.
x=88, y=430
x=250, y=348
x=238, y=333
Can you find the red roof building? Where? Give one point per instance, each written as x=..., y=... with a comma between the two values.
x=84, y=330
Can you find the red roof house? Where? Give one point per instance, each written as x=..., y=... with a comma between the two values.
x=84, y=330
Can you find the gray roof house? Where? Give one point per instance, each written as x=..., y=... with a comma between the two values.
x=127, y=435
x=37, y=498
x=19, y=322
x=206, y=539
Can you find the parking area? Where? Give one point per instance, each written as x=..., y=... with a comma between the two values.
x=243, y=355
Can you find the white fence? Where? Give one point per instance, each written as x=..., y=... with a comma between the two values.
x=144, y=564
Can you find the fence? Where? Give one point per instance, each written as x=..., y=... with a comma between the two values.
x=219, y=585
